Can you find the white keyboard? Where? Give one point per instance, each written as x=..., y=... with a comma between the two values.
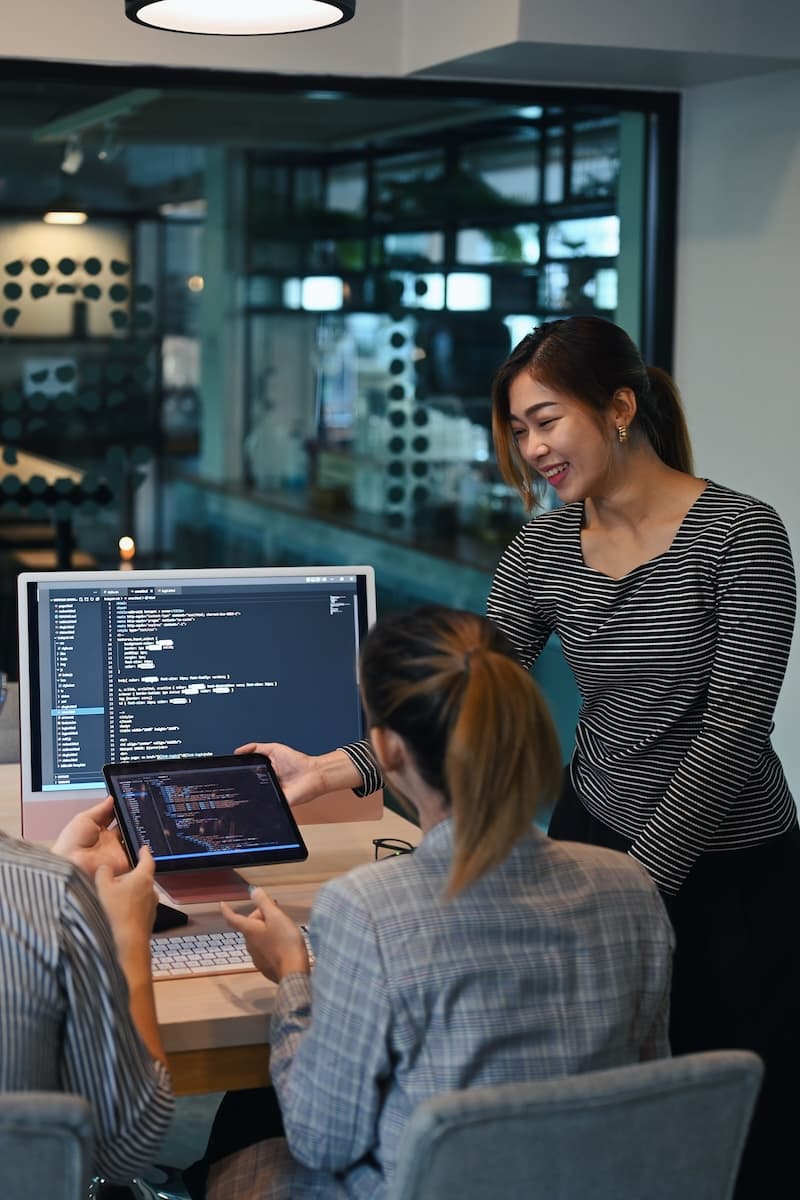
x=181, y=955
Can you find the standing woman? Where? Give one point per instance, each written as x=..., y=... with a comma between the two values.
x=674, y=600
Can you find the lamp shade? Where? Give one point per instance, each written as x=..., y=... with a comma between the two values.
x=239, y=17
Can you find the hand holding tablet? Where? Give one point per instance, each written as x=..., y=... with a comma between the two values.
x=204, y=812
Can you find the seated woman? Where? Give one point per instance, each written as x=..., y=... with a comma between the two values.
x=491, y=954
x=77, y=1012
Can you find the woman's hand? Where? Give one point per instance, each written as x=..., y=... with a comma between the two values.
x=300, y=775
x=274, y=942
x=303, y=777
x=88, y=842
x=130, y=904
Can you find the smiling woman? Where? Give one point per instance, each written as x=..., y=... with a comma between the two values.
x=674, y=600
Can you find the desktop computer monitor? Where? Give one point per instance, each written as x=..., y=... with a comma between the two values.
x=117, y=666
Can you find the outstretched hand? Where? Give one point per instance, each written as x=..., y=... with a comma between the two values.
x=274, y=941
x=300, y=775
x=88, y=842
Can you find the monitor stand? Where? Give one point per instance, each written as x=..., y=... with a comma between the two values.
x=203, y=887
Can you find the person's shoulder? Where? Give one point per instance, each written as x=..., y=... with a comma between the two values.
x=373, y=884
x=26, y=858
x=548, y=528
x=554, y=520
x=50, y=887
x=383, y=890
x=725, y=503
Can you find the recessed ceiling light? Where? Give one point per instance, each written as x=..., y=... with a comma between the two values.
x=240, y=17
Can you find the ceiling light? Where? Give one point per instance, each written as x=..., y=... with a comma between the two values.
x=240, y=17
x=58, y=216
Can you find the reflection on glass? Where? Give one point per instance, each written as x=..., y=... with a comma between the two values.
x=413, y=249
x=595, y=157
x=597, y=237
x=498, y=173
x=267, y=254
x=309, y=189
x=269, y=194
x=346, y=189
x=321, y=293
x=519, y=325
x=419, y=291
x=348, y=254
x=469, y=292
x=409, y=185
x=602, y=288
x=554, y=167
x=498, y=244
x=555, y=280
x=292, y=293
x=266, y=291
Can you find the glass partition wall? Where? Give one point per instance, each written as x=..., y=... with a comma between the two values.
x=272, y=335
x=400, y=272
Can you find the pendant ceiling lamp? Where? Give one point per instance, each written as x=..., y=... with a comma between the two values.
x=240, y=17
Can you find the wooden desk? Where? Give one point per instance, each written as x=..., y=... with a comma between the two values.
x=216, y=1028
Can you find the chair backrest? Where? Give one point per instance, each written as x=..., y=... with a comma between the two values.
x=46, y=1144
x=662, y=1130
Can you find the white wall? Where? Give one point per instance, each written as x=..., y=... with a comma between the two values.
x=738, y=307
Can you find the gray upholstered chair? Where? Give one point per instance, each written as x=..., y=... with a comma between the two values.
x=46, y=1142
x=667, y=1130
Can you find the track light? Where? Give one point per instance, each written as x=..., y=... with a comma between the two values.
x=110, y=147
x=240, y=17
x=73, y=154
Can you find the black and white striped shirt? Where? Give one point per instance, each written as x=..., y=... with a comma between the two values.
x=65, y=1023
x=679, y=664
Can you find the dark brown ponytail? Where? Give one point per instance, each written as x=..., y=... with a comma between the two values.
x=661, y=419
x=479, y=730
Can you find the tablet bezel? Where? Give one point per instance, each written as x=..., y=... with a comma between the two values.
x=261, y=857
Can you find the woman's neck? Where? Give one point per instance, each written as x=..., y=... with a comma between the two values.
x=646, y=492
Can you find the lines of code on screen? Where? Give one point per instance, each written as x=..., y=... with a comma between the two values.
x=207, y=812
x=152, y=672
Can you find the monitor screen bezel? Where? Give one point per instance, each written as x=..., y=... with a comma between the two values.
x=44, y=813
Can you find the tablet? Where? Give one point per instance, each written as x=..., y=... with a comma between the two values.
x=215, y=811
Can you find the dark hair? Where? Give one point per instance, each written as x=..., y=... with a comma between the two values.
x=589, y=359
x=479, y=730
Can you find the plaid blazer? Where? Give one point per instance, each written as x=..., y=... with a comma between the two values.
x=557, y=961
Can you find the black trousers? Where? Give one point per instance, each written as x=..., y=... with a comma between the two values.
x=736, y=977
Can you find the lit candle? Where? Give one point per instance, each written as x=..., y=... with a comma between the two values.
x=127, y=552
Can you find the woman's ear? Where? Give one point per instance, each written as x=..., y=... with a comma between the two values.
x=389, y=747
x=623, y=406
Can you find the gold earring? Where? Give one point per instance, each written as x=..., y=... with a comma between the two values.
x=622, y=434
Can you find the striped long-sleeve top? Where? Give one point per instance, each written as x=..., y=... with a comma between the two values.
x=65, y=1023
x=679, y=664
